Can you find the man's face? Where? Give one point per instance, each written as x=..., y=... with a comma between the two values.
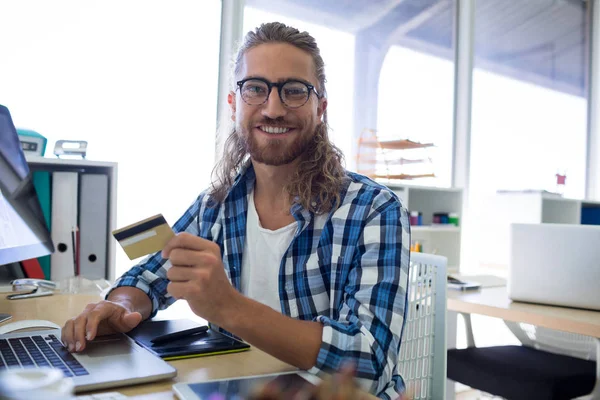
x=260, y=126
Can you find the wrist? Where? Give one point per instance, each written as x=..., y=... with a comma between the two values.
x=125, y=303
x=232, y=316
x=132, y=299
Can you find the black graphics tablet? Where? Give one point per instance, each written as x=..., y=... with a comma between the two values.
x=205, y=344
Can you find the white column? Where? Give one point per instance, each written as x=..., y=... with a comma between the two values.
x=463, y=82
x=592, y=179
x=232, y=24
x=464, y=33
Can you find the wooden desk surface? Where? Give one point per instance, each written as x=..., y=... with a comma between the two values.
x=58, y=308
x=494, y=302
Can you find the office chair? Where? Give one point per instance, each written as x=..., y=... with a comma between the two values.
x=422, y=360
x=548, y=365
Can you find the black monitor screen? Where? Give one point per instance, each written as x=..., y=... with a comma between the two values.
x=23, y=232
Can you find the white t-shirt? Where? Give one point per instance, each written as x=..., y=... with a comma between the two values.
x=263, y=252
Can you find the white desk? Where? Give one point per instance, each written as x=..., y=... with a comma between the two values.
x=494, y=302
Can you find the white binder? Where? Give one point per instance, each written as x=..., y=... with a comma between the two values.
x=64, y=221
x=93, y=225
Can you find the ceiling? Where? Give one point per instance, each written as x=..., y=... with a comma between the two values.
x=539, y=41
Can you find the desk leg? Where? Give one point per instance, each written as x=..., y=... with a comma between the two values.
x=451, y=327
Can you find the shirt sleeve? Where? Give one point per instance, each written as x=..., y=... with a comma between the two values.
x=371, y=317
x=150, y=275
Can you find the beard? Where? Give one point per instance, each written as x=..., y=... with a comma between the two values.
x=277, y=152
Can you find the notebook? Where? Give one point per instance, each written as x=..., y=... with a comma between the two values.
x=205, y=344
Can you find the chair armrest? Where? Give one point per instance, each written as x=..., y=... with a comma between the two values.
x=468, y=329
x=594, y=394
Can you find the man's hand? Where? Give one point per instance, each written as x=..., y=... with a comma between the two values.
x=198, y=276
x=98, y=319
x=340, y=386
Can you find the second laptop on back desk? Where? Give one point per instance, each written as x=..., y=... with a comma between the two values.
x=555, y=264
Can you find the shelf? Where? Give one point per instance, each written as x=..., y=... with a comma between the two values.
x=395, y=144
x=403, y=176
x=435, y=228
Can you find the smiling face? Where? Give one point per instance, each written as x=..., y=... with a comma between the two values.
x=273, y=133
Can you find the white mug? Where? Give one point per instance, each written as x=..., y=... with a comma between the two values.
x=35, y=383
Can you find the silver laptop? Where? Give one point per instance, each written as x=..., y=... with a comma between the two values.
x=107, y=362
x=556, y=264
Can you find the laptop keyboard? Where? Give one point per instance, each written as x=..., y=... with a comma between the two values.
x=38, y=351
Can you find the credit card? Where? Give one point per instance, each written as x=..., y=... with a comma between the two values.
x=144, y=237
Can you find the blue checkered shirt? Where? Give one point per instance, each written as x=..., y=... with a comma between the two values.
x=347, y=269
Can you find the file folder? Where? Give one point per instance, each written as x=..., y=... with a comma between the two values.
x=93, y=225
x=64, y=221
x=32, y=269
x=41, y=182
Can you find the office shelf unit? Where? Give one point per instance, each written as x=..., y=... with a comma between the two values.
x=529, y=207
x=441, y=239
x=400, y=159
x=93, y=167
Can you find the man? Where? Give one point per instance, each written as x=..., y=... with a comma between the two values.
x=287, y=250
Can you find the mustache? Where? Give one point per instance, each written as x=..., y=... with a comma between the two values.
x=280, y=121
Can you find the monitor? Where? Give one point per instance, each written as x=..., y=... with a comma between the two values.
x=23, y=231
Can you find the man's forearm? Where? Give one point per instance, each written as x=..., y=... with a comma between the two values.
x=293, y=341
x=133, y=299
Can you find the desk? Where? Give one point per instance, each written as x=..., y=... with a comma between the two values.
x=58, y=308
x=494, y=302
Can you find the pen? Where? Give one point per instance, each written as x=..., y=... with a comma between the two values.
x=169, y=337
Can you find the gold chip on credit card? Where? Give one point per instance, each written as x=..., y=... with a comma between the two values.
x=144, y=237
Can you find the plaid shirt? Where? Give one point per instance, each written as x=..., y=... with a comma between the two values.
x=347, y=269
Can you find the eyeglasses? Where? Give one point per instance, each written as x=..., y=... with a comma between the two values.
x=294, y=94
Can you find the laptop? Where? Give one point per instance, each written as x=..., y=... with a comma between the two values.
x=555, y=264
x=108, y=361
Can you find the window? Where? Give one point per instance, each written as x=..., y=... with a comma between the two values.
x=416, y=87
x=416, y=102
x=529, y=112
x=337, y=50
x=136, y=79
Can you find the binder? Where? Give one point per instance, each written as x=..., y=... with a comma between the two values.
x=32, y=269
x=41, y=182
x=210, y=343
x=64, y=221
x=93, y=225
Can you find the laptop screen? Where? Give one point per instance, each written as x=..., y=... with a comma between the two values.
x=23, y=231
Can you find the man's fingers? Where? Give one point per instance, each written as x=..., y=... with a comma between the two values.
x=126, y=321
x=179, y=274
x=66, y=333
x=102, y=312
x=185, y=257
x=79, y=332
x=177, y=290
x=188, y=241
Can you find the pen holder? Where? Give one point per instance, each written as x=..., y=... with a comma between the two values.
x=81, y=285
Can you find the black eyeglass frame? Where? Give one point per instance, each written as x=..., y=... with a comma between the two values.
x=279, y=86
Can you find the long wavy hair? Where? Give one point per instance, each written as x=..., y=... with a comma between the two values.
x=319, y=179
